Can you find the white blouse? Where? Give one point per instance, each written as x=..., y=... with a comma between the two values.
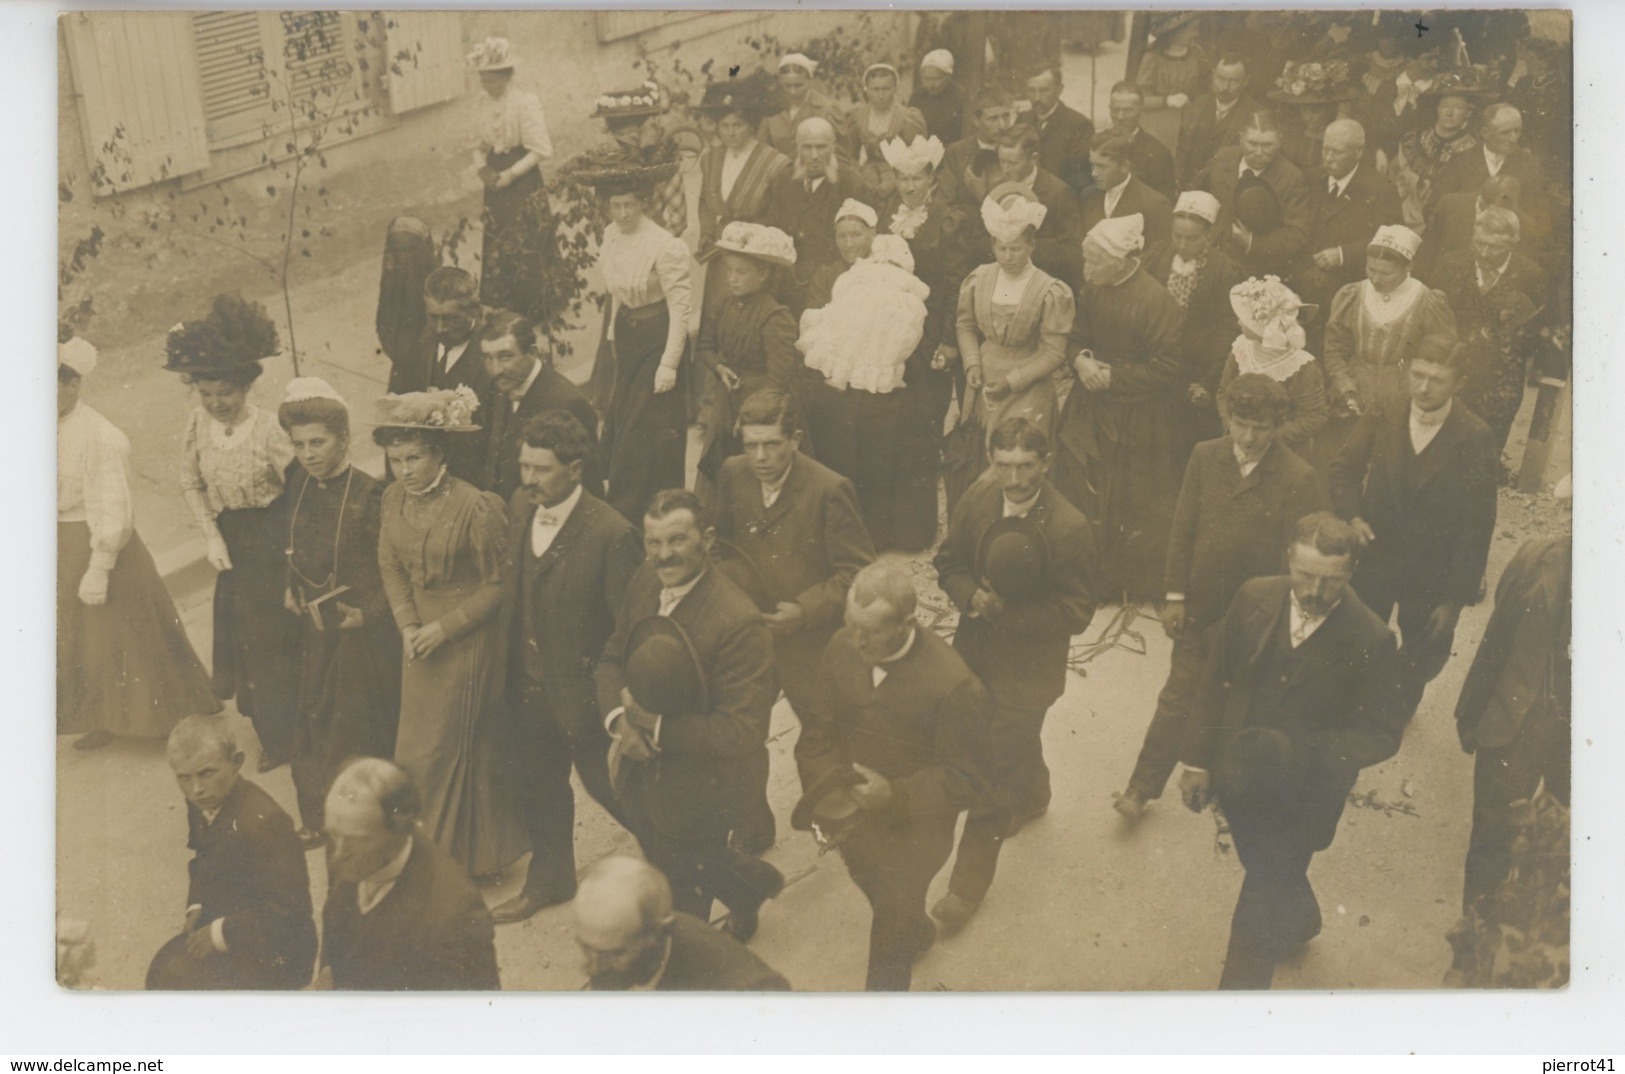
x=642, y=268
x=93, y=482
x=515, y=119
x=1384, y=309
x=223, y=471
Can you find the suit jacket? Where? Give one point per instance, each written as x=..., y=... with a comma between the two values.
x=1229, y=528
x=704, y=959
x=1021, y=656
x=1456, y=275
x=1153, y=161
x=465, y=452
x=1339, y=703
x=1433, y=514
x=1063, y=143
x=1273, y=253
x=1202, y=134
x=1138, y=197
x=700, y=783
x=809, y=218
x=964, y=176
x=1450, y=228
x=249, y=868
x=504, y=425
x=779, y=130
x=1524, y=659
x=1466, y=172
x=808, y=546
x=925, y=728
x=431, y=933
x=1059, y=250
x=577, y=589
x=1346, y=222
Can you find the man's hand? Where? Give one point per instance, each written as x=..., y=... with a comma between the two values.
x=1177, y=100
x=193, y=914
x=93, y=587
x=1363, y=531
x=729, y=378
x=1173, y=618
x=665, y=379
x=1350, y=403
x=789, y=618
x=874, y=792
x=1196, y=788
x=353, y=619
x=944, y=357
x=973, y=377
x=200, y=942
x=986, y=603
x=428, y=638
x=997, y=389
x=1198, y=396
x=503, y=180
x=635, y=745
x=1242, y=234
x=1329, y=258
x=218, y=555
x=290, y=601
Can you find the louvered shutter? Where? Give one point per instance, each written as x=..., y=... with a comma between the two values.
x=231, y=66
x=141, y=104
x=425, y=61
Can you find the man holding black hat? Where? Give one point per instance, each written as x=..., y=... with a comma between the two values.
x=1296, y=698
x=895, y=745
x=1263, y=200
x=1018, y=562
x=798, y=539
x=686, y=686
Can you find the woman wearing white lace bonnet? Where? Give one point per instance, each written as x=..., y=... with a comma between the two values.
x=1272, y=343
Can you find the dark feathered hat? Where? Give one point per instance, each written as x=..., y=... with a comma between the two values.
x=236, y=333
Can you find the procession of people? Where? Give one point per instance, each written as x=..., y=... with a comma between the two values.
x=1234, y=364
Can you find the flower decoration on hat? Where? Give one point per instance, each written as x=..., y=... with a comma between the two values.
x=1010, y=210
x=235, y=333
x=78, y=354
x=613, y=169
x=492, y=54
x=452, y=411
x=1268, y=309
x=644, y=100
x=759, y=241
x=1321, y=82
x=912, y=158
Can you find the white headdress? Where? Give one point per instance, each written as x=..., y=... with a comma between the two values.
x=78, y=354
x=854, y=208
x=796, y=59
x=302, y=388
x=926, y=151
x=1268, y=309
x=1398, y=238
x=1119, y=236
x=893, y=250
x=873, y=67
x=1198, y=203
x=1008, y=224
x=941, y=59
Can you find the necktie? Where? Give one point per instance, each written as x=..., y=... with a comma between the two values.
x=1331, y=186
x=439, y=365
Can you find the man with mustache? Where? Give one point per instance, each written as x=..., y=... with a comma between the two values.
x=522, y=386
x=571, y=555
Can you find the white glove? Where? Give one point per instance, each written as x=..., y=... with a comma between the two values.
x=218, y=557
x=1177, y=100
x=93, y=586
x=665, y=380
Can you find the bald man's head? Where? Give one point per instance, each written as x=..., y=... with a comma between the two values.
x=1341, y=147
x=623, y=912
x=371, y=812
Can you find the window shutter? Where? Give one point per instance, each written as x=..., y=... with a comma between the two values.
x=231, y=65
x=426, y=64
x=141, y=103
x=316, y=54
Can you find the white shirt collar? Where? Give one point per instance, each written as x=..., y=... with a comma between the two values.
x=1500, y=270
x=880, y=670
x=451, y=355
x=535, y=371
x=670, y=596
x=1425, y=426
x=1494, y=160
x=1115, y=194
x=1247, y=465
x=1302, y=624
x=1012, y=510
x=559, y=512
x=1343, y=183
x=371, y=891
x=770, y=493
x=1244, y=168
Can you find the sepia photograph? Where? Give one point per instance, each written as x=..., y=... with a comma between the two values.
x=885, y=500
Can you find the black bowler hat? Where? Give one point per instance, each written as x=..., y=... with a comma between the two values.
x=1259, y=769
x=663, y=670
x=1013, y=558
x=743, y=571
x=1257, y=205
x=829, y=809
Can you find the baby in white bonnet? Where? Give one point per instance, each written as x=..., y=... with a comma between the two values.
x=873, y=322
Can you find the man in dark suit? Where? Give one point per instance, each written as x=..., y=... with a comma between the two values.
x=1057, y=251
x=1513, y=714
x=524, y=385
x=1450, y=225
x=1491, y=265
x=1153, y=162
x=1417, y=483
x=446, y=357
x=1348, y=201
x=1238, y=509
x=1211, y=122
x=400, y=913
x=690, y=777
x=571, y=557
x=797, y=526
x=1256, y=160
x=1499, y=133
x=632, y=940
x=1064, y=133
x=802, y=201
x=248, y=919
x=903, y=718
x=970, y=167
x=1295, y=699
x=1017, y=643
x=1117, y=191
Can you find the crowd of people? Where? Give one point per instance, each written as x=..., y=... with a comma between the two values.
x=1253, y=365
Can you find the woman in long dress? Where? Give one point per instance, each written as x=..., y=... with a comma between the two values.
x=517, y=219
x=441, y=545
x=1013, y=323
x=234, y=457
x=124, y=665
x=350, y=656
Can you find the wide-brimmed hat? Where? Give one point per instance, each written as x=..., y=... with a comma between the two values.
x=663, y=669
x=1013, y=558
x=1316, y=82
x=1258, y=207
x=1471, y=83
x=492, y=54
x=236, y=333
x=644, y=100
x=742, y=570
x=756, y=95
x=1269, y=309
x=1168, y=22
x=1259, y=769
x=444, y=409
x=614, y=169
x=829, y=809
x=765, y=244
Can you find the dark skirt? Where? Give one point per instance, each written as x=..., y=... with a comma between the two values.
x=645, y=435
x=518, y=226
x=256, y=640
x=857, y=433
x=125, y=666
x=923, y=409
x=349, y=703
